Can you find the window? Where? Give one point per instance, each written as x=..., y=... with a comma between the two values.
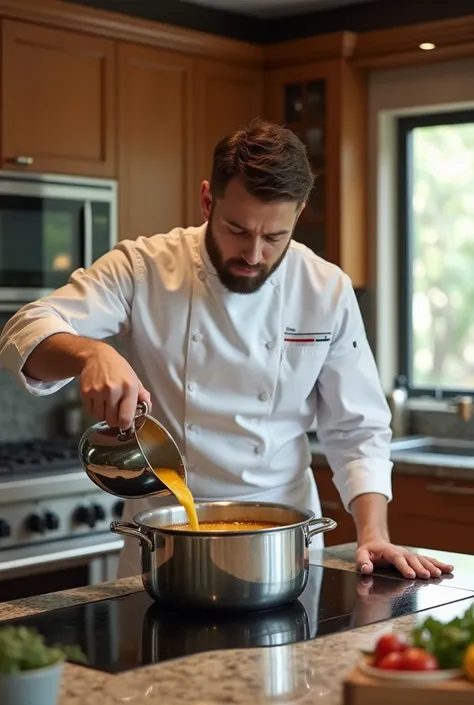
x=436, y=273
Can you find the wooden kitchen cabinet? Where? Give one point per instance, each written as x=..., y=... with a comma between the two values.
x=432, y=513
x=332, y=507
x=155, y=145
x=324, y=103
x=58, y=101
x=226, y=97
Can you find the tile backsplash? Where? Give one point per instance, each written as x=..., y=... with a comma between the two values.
x=441, y=424
x=25, y=417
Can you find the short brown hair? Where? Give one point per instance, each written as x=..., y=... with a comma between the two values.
x=269, y=159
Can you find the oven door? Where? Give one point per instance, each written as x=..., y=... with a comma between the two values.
x=58, y=565
x=50, y=227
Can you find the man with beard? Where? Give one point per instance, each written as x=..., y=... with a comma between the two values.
x=238, y=336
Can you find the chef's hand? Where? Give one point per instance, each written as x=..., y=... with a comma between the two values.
x=110, y=389
x=381, y=554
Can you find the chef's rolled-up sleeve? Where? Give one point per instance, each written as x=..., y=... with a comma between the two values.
x=95, y=303
x=353, y=414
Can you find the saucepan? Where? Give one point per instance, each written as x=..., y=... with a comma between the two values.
x=233, y=570
x=121, y=461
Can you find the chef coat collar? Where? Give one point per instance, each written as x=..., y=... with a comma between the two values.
x=206, y=260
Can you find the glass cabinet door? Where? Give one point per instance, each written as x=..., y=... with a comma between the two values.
x=305, y=115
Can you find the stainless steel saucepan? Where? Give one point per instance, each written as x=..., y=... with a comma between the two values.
x=237, y=570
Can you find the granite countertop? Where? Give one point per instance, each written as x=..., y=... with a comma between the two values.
x=308, y=672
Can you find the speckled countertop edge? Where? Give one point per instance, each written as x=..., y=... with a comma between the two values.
x=307, y=673
x=68, y=598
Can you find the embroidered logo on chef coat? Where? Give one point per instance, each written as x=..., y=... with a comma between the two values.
x=304, y=338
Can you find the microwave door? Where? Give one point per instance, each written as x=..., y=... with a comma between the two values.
x=42, y=241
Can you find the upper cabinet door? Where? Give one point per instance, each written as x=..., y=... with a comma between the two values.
x=58, y=95
x=155, y=140
x=226, y=98
x=324, y=103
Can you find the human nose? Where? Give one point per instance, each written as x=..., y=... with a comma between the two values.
x=252, y=253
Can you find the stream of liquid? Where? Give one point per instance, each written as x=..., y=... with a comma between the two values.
x=181, y=491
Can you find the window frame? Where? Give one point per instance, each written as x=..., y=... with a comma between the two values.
x=404, y=150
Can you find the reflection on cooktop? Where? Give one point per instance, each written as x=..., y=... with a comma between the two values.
x=131, y=631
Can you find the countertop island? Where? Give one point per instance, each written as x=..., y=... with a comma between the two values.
x=307, y=672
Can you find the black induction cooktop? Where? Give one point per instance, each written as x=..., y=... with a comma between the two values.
x=130, y=631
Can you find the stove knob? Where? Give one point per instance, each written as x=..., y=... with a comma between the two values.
x=85, y=515
x=117, y=509
x=99, y=512
x=5, y=529
x=51, y=521
x=35, y=523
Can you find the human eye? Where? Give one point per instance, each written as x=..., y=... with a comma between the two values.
x=235, y=231
x=273, y=239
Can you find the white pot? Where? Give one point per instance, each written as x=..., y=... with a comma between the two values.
x=36, y=687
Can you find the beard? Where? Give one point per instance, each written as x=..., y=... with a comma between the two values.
x=235, y=283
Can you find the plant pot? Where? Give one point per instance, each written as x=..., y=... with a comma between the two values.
x=32, y=687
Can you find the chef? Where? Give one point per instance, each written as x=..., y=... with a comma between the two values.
x=238, y=337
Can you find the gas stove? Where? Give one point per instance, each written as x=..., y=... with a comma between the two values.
x=49, y=508
x=19, y=458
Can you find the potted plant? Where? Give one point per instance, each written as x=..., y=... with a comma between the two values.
x=30, y=670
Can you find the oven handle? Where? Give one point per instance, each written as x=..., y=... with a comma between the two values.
x=87, y=234
x=47, y=558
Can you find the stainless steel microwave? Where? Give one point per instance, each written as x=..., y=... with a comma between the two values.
x=49, y=226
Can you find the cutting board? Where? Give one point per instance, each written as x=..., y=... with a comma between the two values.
x=360, y=689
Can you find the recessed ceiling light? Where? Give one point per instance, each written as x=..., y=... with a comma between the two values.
x=427, y=46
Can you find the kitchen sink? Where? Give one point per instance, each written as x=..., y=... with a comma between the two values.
x=423, y=448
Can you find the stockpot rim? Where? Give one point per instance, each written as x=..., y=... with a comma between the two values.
x=308, y=514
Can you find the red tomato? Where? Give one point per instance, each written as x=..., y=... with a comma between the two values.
x=391, y=661
x=389, y=643
x=415, y=659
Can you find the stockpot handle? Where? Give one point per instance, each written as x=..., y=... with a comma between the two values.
x=126, y=529
x=321, y=525
x=142, y=410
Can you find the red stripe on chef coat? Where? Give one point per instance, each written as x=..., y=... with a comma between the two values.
x=300, y=340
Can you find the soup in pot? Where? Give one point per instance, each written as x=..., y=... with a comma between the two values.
x=226, y=526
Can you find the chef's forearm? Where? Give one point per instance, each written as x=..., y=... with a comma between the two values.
x=369, y=512
x=60, y=356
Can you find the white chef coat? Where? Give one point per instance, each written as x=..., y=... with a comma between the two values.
x=237, y=379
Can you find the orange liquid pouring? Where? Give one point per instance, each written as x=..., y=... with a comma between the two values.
x=176, y=485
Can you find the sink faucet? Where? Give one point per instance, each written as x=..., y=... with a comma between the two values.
x=463, y=405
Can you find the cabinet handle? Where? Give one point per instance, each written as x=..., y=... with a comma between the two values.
x=23, y=161
x=330, y=505
x=450, y=489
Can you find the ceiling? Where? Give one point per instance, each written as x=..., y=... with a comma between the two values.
x=274, y=8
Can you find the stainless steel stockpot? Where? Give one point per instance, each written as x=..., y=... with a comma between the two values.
x=237, y=570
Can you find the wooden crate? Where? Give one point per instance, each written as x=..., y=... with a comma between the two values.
x=360, y=689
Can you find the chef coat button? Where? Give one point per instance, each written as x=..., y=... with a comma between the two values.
x=257, y=450
x=274, y=281
x=192, y=427
x=264, y=396
x=197, y=337
x=192, y=386
x=271, y=345
x=201, y=275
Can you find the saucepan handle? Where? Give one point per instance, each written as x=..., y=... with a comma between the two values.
x=321, y=525
x=126, y=529
x=142, y=410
